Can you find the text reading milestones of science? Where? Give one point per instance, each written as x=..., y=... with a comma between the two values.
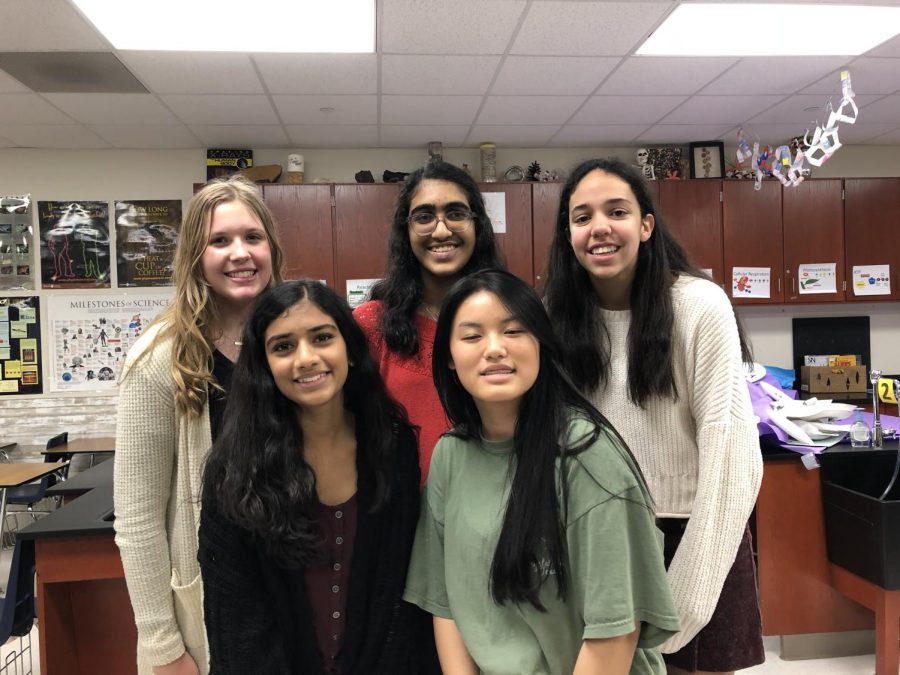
x=20, y=354
x=91, y=335
x=74, y=244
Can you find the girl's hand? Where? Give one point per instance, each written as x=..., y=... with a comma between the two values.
x=183, y=665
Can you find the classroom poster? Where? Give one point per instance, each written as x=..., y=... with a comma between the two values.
x=750, y=282
x=146, y=236
x=20, y=355
x=16, y=260
x=358, y=291
x=91, y=335
x=495, y=205
x=871, y=280
x=74, y=244
x=817, y=278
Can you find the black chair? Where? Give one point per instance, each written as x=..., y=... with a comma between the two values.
x=30, y=494
x=17, y=609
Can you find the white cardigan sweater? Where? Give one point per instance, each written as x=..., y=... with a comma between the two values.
x=699, y=454
x=159, y=463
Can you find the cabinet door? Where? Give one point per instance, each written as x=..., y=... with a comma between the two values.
x=544, y=207
x=813, y=222
x=693, y=211
x=515, y=244
x=362, y=218
x=871, y=222
x=303, y=218
x=752, y=229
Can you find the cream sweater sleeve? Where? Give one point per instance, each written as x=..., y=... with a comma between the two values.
x=145, y=457
x=729, y=463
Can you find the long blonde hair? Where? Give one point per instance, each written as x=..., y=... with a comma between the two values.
x=190, y=318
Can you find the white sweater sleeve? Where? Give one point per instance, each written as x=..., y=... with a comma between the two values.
x=145, y=457
x=729, y=467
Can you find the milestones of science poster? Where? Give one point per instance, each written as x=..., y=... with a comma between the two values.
x=20, y=354
x=74, y=244
x=146, y=236
x=90, y=336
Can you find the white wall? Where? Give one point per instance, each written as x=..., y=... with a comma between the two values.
x=169, y=174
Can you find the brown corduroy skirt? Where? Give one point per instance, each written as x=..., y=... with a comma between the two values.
x=732, y=640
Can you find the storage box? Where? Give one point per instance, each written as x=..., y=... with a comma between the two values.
x=839, y=380
x=862, y=532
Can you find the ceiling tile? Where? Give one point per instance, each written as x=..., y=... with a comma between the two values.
x=719, y=109
x=341, y=136
x=883, y=111
x=770, y=134
x=440, y=27
x=30, y=109
x=890, y=138
x=683, y=133
x=850, y=134
x=147, y=136
x=587, y=28
x=319, y=73
x=888, y=48
x=552, y=75
x=607, y=110
x=402, y=74
x=113, y=108
x=241, y=136
x=440, y=110
x=664, y=75
x=10, y=85
x=410, y=136
x=194, y=73
x=773, y=74
x=528, y=109
x=526, y=136
x=867, y=76
x=306, y=110
x=598, y=135
x=46, y=25
x=6, y=143
x=52, y=136
x=220, y=109
x=804, y=109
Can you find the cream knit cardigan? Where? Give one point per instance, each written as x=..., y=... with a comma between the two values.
x=158, y=468
x=699, y=454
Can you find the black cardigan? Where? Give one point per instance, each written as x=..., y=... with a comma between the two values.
x=257, y=614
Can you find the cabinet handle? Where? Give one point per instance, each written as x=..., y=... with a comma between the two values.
x=793, y=284
x=779, y=284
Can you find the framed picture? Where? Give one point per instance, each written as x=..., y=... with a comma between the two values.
x=707, y=159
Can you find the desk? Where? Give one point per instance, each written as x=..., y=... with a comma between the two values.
x=84, y=446
x=15, y=474
x=98, y=476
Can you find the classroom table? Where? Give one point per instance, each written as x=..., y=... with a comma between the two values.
x=98, y=476
x=84, y=446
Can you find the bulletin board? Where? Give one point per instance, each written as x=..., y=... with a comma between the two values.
x=20, y=348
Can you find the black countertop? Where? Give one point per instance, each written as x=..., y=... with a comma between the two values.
x=91, y=513
x=98, y=476
x=772, y=451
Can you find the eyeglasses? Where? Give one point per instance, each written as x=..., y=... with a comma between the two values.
x=423, y=223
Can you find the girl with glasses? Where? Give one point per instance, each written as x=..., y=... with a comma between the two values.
x=536, y=549
x=657, y=347
x=310, y=498
x=440, y=233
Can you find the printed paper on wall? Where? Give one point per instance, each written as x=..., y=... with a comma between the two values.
x=817, y=278
x=74, y=244
x=358, y=291
x=146, y=236
x=495, y=205
x=751, y=282
x=871, y=280
x=20, y=354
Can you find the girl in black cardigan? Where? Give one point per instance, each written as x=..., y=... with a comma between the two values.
x=310, y=500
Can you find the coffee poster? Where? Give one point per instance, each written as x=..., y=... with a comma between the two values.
x=146, y=237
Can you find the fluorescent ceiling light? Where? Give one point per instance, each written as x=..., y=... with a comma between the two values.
x=756, y=29
x=308, y=26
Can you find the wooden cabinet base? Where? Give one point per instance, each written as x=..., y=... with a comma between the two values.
x=85, y=620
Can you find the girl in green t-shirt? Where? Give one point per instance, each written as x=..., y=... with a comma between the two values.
x=536, y=550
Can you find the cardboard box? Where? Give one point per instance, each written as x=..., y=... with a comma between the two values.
x=839, y=380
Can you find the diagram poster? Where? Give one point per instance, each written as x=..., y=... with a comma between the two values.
x=871, y=280
x=16, y=269
x=750, y=282
x=817, y=278
x=90, y=336
x=74, y=244
x=146, y=235
x=20, y=355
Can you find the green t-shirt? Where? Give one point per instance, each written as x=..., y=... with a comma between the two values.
x=615, y=558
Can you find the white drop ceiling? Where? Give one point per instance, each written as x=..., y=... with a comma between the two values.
x=523, y=73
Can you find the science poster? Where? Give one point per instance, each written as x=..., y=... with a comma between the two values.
x=146, y=235
x=20, y=354
x=16, y=259
x=91, y=335
x=74, y=244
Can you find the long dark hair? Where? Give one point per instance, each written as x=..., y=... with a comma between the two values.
x=572, y=302
x=534, y=525
x=402, y=288
x=256, y=471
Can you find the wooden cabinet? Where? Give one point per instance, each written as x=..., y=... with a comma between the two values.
x=544, y=208
x=871, y=222
x=813, y=225
x=692, y=210
x=516, y=243
x=753, y=235
x=303, y=217
x=362, y=227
